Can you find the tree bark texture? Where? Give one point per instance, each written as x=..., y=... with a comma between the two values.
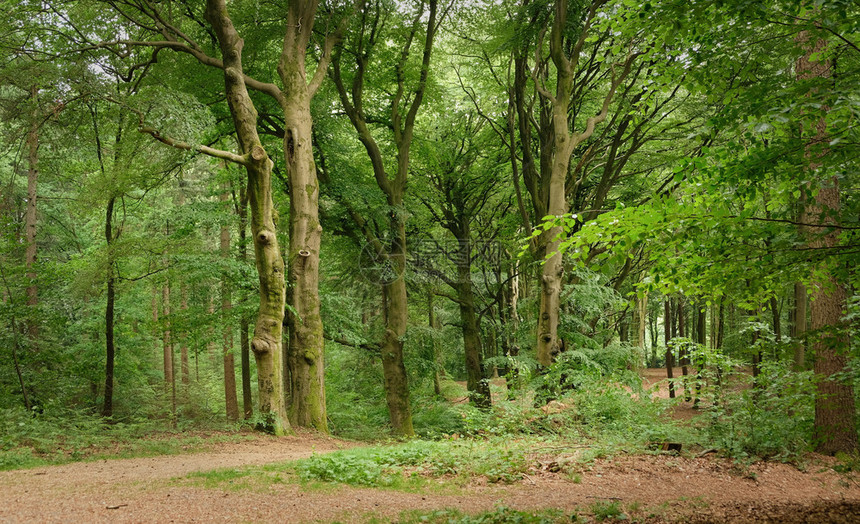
x=305, y=360
x=231, y=403
x=834, y=425
x=169, y=379
x=394, y=297
x=31, y=218
x=184, y=367
x=110, y=350
x=667, y=324
x=266, y=343
x=798, y=327
x=565, y=56
x=432, y=323
x=476, y=383
x=244, y=324
x=396, y=315
x=306, y=344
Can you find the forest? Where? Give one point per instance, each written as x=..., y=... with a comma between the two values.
x=622, y=225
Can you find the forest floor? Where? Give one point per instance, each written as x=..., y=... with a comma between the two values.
x=646, y=488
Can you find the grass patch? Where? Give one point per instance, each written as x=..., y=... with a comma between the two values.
x=607, y=510
x=411, y=466
x=240, y=479
x=28, y=440
x=500, y=515
x=411, y=462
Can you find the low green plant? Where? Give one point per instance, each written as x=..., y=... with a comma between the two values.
x=501, y=515
x=405, y=465
x=772, y=419
x=606, y=510
x=59, y=435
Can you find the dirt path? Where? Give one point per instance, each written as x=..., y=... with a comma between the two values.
x=648, y=488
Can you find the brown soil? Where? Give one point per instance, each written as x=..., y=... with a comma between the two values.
x=657, y=488
x=648, y=488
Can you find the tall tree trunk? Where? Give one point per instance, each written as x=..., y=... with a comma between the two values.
x=396, y=318
x=683, y=355
x=565, y=56
x=230, y=401
x=394, y=296
x=169, y=378
x=266, y=343
x=667, y=324
x=721, y=325
x=834, y=425
x=777, y=325
x=437, y=355
x=107, y=407
x=184, y=367
x=798, y=327
x=307, y=377
x=244, y=324
x=476, y=383
x=156, y=297
x=31, y=218
x=306, y=344
x=701, y=340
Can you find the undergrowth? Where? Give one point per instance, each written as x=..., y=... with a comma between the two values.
x=409, y=463
x=59, y=435
x=501, y=515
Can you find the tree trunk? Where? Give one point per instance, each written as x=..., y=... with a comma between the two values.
x=244, y=324
x=777, y=325
x=667, y=324
x=169, y=379
x=721, y=325
x=834, y=426
x=476, y=383
x=230, y=402
x=798, y=328
x=266, y=343
x=437, y=355
x=394, y=297
x=396, y=318
x=565, y=55
x=107, y=408
x=305, y=360
x=185, y=369
x=156, y=295
x=30, y=218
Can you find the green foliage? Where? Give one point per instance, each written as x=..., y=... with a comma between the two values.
x=57, y=435
x=772, y=419
x=607, y=510
x=406, y=464
x=576, y=367
x=501, y=515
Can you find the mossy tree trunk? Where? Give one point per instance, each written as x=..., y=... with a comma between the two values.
x=30, y=219
x=266, y=343
x=403, y=112
x=477, y=385
x=565, y=54
x=231, y=403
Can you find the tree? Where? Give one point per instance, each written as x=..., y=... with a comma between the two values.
x=398, y=117
x=159, y=30
x=835, y=411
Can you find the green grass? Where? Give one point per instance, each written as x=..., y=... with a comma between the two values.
x=412, y=466
x=28, y=440
x=500, y=515
x=607, y=510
